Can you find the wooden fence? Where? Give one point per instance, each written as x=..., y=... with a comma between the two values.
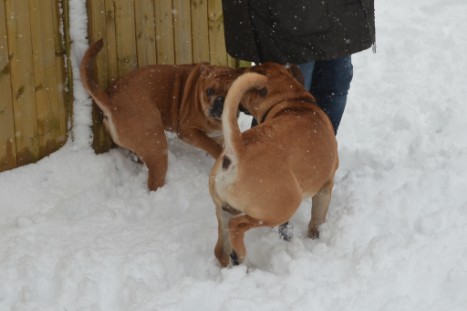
x=34, y=101
x=33, y=120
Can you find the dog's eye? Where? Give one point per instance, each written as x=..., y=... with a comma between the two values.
x=210, y=92
x=263, y=92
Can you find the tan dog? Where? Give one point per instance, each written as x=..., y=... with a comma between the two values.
x=138, y=107
x=264, y=173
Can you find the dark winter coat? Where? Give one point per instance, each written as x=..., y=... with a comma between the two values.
x=297, y=31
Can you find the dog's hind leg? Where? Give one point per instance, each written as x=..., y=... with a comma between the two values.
x=223, y=247
x=155, y=156
x=286, y=231
x=157, y=169
x=320, y=205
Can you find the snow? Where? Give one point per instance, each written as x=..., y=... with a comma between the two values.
x=80, y=231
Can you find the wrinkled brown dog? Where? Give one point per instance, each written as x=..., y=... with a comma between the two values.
x=138, y=107
x=264, y=173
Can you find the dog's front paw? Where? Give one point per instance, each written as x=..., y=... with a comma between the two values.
x=286, y=231
x=313, y=233
x=234, y=258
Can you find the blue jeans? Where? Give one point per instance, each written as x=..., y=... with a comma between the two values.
x=329, y=81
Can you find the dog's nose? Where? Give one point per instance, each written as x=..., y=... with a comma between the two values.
x=217, y=107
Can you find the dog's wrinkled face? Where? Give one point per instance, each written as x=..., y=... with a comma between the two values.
x=215, y=82
x=215, y=101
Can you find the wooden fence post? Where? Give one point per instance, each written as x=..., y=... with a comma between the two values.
x=22, y=81
x=7, y=124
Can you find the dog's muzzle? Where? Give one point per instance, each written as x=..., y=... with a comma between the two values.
x=217, y=107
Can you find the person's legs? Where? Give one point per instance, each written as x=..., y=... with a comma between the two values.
x=307, y=71
x=330, y=85
x=329, y=82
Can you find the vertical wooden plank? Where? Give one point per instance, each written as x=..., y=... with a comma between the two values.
x=101, y=25
x=47, y=82
x=111, y=42
x=125, y=31
x=164, y=31
x=182, y=32
x=64, y=101
x=200, y=30
x=7, y=126
x=97, y=22
x=97, y=29
x=22, y=77
x=145, y=32
x=218, y=54
x=63, y=40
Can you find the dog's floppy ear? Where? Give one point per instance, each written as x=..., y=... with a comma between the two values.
x=296, y=73
x=203, y=68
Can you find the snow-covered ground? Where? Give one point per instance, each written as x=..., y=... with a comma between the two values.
x=79, y=231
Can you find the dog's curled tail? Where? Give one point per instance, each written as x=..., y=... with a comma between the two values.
x=86, y=70
x=232, y=135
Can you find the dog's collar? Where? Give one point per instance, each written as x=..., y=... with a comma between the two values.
x=287, y=105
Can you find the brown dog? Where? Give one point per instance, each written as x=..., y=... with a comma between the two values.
x=138, y=107
x=264, y=173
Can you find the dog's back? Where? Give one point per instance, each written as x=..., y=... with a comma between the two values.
x=160, y=87
x=275, y=161
x=292, y=144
